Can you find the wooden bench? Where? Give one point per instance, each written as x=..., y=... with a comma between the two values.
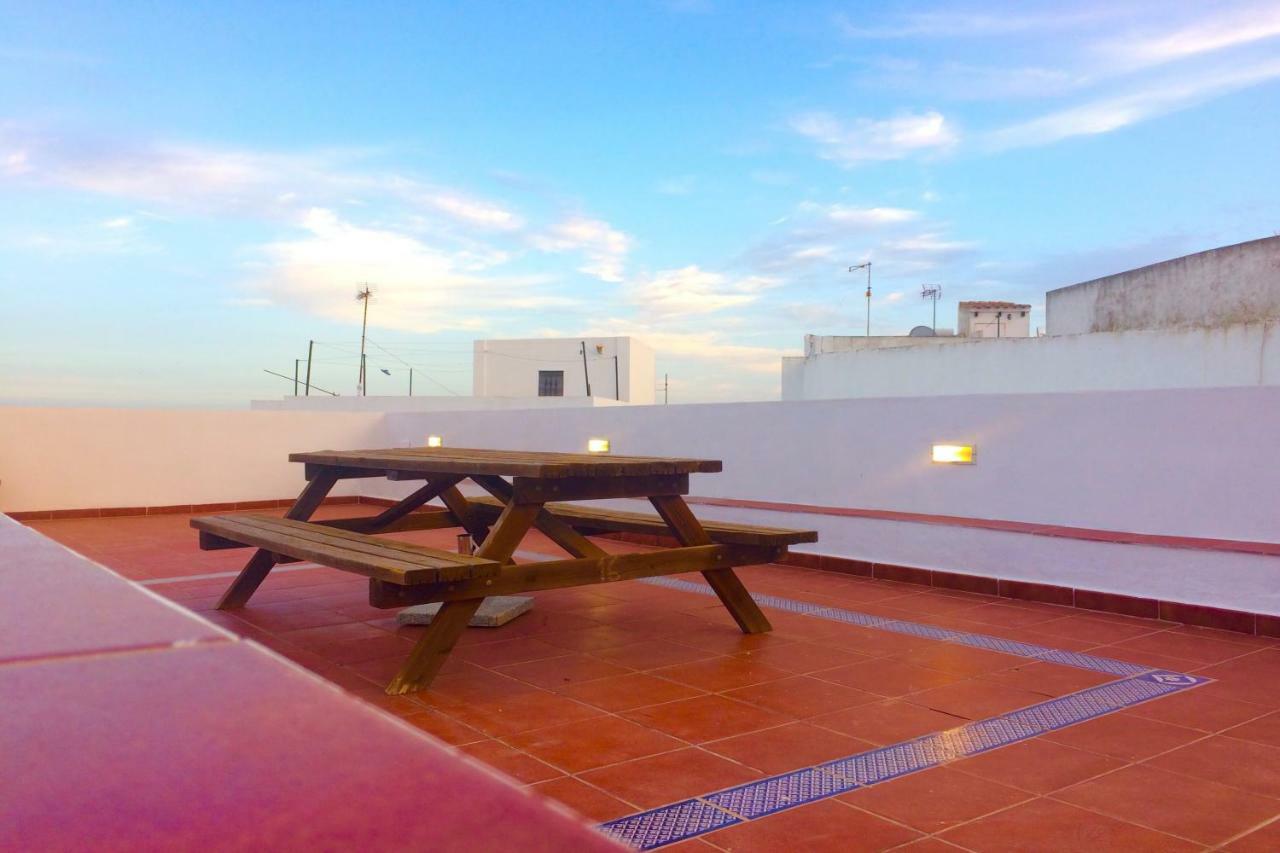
x=386, y=560
x=591, y=520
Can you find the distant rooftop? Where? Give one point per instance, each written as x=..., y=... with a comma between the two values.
x=983, y=306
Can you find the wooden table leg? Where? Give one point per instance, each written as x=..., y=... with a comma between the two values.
x=260, y=564
x=733, y=595
x=457, y=504
x=432, y=490
x=556, y=529
x=442, y=634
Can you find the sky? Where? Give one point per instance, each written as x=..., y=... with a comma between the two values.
x=190, y=193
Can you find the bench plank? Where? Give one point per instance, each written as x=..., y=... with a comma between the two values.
x=384, y=559
x=594, y=519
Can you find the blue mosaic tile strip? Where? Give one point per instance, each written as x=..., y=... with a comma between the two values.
x=669, y=824
x=1079, y=660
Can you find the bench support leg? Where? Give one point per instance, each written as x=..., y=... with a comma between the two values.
x=733, y=595
x=429, y=655
x=260, y=564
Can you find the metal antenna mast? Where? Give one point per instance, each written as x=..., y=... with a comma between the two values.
x=867, y=267
x=934, y=292
x=364, y=294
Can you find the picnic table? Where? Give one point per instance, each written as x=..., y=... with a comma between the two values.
x=526, y=490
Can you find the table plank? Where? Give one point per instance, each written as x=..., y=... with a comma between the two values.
x=511, y=463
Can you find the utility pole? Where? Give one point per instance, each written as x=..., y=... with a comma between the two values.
x=666, y=381
x=296, y=362
x=363, y=295
x=410, y=381
x=617, y=391
x=311, y=345
x=867, y=267
x=932, y=291
x=585, y=376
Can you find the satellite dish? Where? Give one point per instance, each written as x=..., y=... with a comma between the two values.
x=921, y=332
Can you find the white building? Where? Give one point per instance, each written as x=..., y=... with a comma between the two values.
x=993, y=320
x=611, y=368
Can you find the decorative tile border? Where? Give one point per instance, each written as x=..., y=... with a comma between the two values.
x=679, y=821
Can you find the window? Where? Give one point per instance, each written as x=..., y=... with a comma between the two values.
x=550, y=383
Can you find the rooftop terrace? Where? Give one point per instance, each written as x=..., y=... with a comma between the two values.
x=1070, y=644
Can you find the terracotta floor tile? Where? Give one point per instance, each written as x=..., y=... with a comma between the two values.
x=1254, y=677
x=1264, y=729
x=1202, y=650
x=1054, y=827
x=704, y=718
x=872, y=642
x=505, y=652
x=593, y=638
x=1126, y=738
x=1240, y=763
x=651, y=654
x=367, y=649
x=560, y=671
x=975, y=699
x=1265, y=839
x=827, y=825
x=1206, y=708
x=960, y=660
x=802, y=696
x=1038, y=765
x=1180, y=805
x=1000, y=614
x=887, y=722
x=508, y=715
x=444, y=727
x=721, y=673
x=934, y=800
x=789, y=747
x=592, y=803
x=513, y=762
x=671, y=776
x=887, y=677
x=803, y=657
x=624, y=692
x=1049, y=679
x=574, y=747
x=1093, y=629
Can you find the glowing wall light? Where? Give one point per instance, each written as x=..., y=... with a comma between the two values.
x=953, y=454
x=597, y=445
x=435, y=441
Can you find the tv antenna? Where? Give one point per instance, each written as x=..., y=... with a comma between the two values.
x=364, y=294
x=933, y=292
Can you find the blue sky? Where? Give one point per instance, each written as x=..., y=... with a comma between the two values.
x=188, y=195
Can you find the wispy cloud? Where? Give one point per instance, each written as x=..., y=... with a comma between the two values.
x=1217, y=30
x=966, y=24
x=865, y=140
x=603, y=246
x=682, y=185
x=694, y=291
x=1115, y=112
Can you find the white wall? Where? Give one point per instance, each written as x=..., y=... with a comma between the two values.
x=1186, y=462
x=424, y=404
x=509, y=368
x=1233, y=284
x=1243, y=355
x=88, y=458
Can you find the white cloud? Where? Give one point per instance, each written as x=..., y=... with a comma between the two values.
x=481, y=213
x=603, y=246
x=1112, y=113
x=1238, y=27
x=869, y=216
x=692, y=291
x=417, y=287
x=118, y=222
x=867, y=140
x=948, y=24
x=682, y=185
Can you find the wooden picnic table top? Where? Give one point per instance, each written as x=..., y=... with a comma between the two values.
x=510, y=463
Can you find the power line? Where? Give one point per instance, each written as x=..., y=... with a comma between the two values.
x=292, y=379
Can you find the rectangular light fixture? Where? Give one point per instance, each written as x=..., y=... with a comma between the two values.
x=435, y=441
x=953, y=454
x=597, y=445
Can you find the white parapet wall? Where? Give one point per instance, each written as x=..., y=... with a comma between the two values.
x=64, y=459
x=1185, y=463
x=1229, y=356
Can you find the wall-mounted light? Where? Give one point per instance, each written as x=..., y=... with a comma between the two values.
x=435, y=441
x=597, y=445
x=953, y=454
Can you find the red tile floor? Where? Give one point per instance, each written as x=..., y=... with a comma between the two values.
x=619, y=698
